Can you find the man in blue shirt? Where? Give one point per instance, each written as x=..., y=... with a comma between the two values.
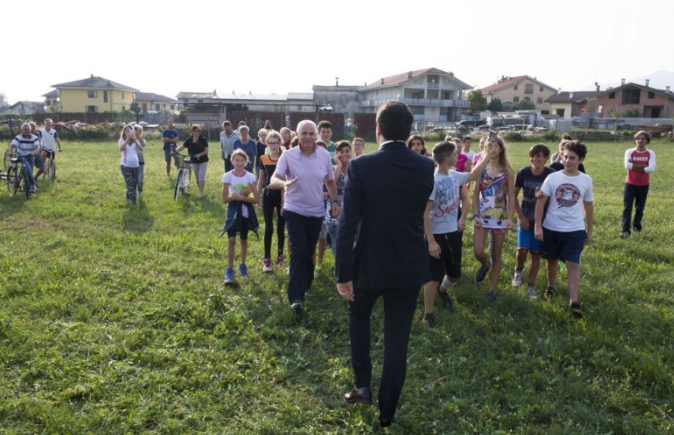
x=170, y=139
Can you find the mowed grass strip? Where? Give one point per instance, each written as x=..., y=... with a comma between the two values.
x=114, y=319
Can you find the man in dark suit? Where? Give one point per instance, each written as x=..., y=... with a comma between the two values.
x=383, y=212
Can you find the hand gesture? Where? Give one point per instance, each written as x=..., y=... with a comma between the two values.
x=524, y=224
x=335, y=209
x=345, y=290
x=512, y=226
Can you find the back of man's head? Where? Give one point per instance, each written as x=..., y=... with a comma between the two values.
x=395, y=120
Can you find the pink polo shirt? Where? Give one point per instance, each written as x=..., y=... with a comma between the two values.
x=305, y=197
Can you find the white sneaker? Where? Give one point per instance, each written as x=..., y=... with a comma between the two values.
x=517, y=278
x=531, y=291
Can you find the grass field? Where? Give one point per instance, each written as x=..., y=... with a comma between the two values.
x=114, y=320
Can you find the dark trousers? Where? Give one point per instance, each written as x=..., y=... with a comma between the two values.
x=633, y=195
x=399, y=305
x=303, y=234
x=272, y=200
x=228, y=164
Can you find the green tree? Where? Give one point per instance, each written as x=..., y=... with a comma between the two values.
x=135, y=108
x=522, y=105
x=632, y=112
x=495, y=105
x=3, y=101
x=478, y=103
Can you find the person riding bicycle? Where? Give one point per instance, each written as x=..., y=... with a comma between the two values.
x=48, y=138
x=27, y=146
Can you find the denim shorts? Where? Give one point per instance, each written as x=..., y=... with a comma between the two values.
x=526, y=240
x=563, y=246
x=168, y=154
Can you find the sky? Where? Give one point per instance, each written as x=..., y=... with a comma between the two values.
x=271, y=46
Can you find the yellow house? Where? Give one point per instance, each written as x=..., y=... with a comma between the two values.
x=95, y=94
x=515, y=89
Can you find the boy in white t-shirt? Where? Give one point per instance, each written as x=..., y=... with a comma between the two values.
x=241, y=218
x=443, y=225
x=563, y=231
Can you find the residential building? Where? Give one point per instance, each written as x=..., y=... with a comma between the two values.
x=95, y=94
x=337, y=99
x=23, y=108
x=650, y=102
x=51, y=98
x=435, y=96
x=149, y=102
x=569, y=104
x=514, y=89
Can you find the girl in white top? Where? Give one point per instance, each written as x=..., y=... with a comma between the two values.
x=129, y=146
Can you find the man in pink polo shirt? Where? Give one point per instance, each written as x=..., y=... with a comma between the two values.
x=301, y=171
x=639, y=162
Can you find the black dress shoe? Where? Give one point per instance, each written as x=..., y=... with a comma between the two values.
x=385, y=422
x=359, y=395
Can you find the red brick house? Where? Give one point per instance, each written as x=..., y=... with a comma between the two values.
x=651, y=102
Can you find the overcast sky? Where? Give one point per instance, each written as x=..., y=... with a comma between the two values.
x=276, y=46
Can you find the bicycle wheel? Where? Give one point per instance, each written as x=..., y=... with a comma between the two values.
x=12, y=184
x=179, y=179
x=7, y=157
x=21, y=182
x=51, y=170
x=186, y=181
x=24, y=181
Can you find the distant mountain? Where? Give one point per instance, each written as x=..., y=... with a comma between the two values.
x=659, y=80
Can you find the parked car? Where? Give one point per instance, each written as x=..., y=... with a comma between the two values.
x=472, y=123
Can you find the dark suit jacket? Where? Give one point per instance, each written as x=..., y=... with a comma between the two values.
x=385, y=198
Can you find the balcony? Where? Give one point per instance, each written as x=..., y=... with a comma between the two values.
x=417, y=102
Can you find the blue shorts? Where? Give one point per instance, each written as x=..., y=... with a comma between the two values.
x=563, y=246
x=526, y=240
x=168, y=154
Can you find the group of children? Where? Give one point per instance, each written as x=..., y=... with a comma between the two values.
x=556, y=230
x=241, y=190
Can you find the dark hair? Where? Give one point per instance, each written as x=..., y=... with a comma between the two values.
x=342, y=144
x=294, y=142
x=324, y=124
x=539, y=149
x=320, y=143
x=577, y=147
x=467, y=138
x=644, y=134
x=567, y=137
x=395, y=120
x=442, y=150
x=226, y=124
x=419, y=138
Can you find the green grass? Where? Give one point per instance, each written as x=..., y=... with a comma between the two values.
x=113, y=319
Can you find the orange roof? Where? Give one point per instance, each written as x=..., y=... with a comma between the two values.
x=401, y=78
x=503, y=84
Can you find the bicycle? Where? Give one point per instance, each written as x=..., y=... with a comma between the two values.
x=17, y=179
x=49, y=165
x=183, y=177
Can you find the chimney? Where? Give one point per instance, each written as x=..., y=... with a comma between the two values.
x=92, y=76
x=409, y=75
x=667, y=88
x=647, y=82
x=570, y=95
x=381, y=82
x=336, y=81
x=597, y=85
x=623, y=81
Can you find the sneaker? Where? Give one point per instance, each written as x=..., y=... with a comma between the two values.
x=446, y=299
x=266, y=268
x=243, y=270
x=229, y=276
x=428, y=320
x=297, y=307
x=550, y=292
x=140, y=195
x=517, y=278
x=280, y=262
x=491, y=295
x=481, y=274
x=531, y=291
x=625, y=235
x=576, y=313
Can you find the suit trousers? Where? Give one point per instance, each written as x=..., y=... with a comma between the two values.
x=399, y=306
x=303, y=234
x=633, y=195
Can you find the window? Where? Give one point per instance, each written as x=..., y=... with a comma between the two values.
x=144, y=107
x=123, y=108
x=631, y=96
x=515, y=87
x=123, y=94
x=105, y=96
x=156, y=108
x=651, y=94
x=299, y=107
x=418, y=110
x=541, y=89
x=92, y=109
x=611, y=96
x=528, y=88
x=539, y=100
x=527, y=99
x=516, y=99
x=173, y=106
x=444, y=111
x=92, y=94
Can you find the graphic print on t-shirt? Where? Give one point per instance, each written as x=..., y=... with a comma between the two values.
x=567, y=195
